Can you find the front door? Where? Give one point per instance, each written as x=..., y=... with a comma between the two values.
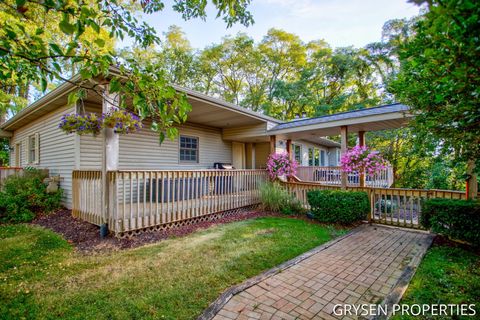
x=238, y=155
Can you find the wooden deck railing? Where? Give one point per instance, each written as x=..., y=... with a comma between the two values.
x=87, y=196
x=5, y=172
x=333, y=176
x=392, y=206
x=142, y=199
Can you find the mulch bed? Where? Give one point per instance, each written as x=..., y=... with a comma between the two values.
x=86, y=237
x=442, y=241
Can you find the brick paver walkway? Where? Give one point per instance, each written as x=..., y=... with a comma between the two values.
x=362, y=268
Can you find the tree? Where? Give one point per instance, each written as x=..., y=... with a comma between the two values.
x=26, y=54
x=283, y=56
x=227, y=62
x=439, y=77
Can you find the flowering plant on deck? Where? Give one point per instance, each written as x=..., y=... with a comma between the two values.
x=280, y=164
x=81, y=124
x=362, y=159
x=122, y=121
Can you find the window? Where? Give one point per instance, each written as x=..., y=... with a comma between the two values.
x=297, y=152
x=322, y=158
x=317, y=157
x=338, y=157
x=33, y=149
x=310, y=156
x=188, y=149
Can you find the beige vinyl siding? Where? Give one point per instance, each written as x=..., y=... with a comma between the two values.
x=56, y=148
x=262, y=150
x=142, y=150
x=91, y=148
x=240, y=133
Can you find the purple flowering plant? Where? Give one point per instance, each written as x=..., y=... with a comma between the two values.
x=121, y=121
x=89, y=123
x=362, y=159
x=280, y=164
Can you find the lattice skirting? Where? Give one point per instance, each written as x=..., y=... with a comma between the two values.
x=177, y=224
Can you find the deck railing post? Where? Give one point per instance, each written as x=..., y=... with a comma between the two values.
x=343, y=150
x=110, y=155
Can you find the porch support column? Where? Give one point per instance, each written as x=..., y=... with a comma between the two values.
x=273, y=142
x=472, y=183
x=110, y=155
x=343, y=150
x=361, y=143
x=289, y=148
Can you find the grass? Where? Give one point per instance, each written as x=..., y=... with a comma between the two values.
x=41, y=277
x=447, y=275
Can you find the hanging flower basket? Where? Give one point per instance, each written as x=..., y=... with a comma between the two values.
x=122, y=122
x=362, y=159
x=280, y=164
x=81, y=124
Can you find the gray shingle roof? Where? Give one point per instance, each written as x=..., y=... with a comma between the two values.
x=390, y=108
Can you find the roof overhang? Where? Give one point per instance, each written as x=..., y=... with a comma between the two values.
x=206, y=110
x=5, y=134
x=373, y=119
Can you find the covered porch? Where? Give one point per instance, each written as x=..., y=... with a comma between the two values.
x=343, y=124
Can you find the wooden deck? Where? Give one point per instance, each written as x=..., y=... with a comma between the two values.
x=143, y=199
x=137, y=200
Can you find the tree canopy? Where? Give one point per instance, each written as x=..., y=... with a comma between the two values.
x=439, y=77
x=46, y=41
x=429, y=62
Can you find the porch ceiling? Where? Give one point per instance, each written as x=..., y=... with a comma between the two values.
x=209, y=114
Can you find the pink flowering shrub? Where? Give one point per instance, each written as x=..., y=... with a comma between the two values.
x=361, y=158
x=279, y=164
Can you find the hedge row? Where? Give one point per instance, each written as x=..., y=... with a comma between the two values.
x=458, y=219
x=338, y=206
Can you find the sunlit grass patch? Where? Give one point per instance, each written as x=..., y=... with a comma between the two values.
x=43, y=278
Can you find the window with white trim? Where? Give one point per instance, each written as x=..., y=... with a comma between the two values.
x=317, y=157
x=310, y=156
x=188, y=149
x=297, y=153
x=33, y=149
x=323, y=155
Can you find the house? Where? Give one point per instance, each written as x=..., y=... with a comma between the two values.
x=146, y=176
x=216, y=131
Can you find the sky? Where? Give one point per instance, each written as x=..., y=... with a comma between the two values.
x=339, y=22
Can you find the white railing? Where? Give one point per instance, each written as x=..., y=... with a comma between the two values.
x=333, y=176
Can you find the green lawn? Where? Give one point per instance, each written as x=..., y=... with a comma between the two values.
x=446, y=276
x=41, y=277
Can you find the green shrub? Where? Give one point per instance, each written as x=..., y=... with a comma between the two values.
x=457, y=219
x=338, y=206
x=275, y=198
x=24, y=196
